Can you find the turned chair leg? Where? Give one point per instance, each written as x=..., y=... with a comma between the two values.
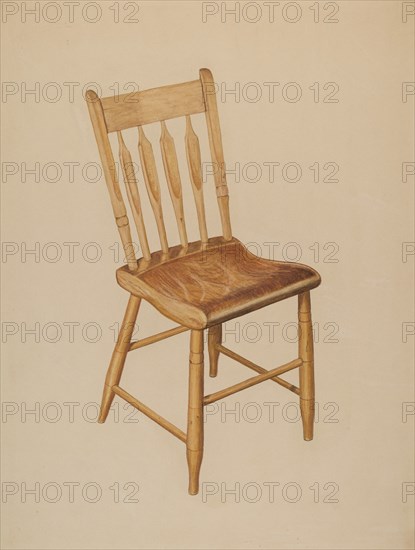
x=306, y=354
x=214, y=338
x=194, y=441
x=118, y=356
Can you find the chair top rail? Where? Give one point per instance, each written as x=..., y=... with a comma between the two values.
x=153, y=105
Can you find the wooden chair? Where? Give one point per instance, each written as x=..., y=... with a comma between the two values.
x=196, y=284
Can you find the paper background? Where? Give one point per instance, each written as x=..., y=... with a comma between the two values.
x=353, y=486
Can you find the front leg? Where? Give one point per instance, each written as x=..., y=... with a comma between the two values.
x=118, y=356
x=194, y=441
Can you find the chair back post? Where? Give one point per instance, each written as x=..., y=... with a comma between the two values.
x=216, y=150
x=110, y=172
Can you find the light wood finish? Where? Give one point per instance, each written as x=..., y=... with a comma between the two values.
x=214, y=340
x=195, y=171
x=194, y=443
x=150, y=413
x=306, y=353
x=133, y=195
x=148, y=164
x=118, y=356
x=198, y=284
x=257, y=368
x=171, y=169
x=139, y=108
x=157, y=337
x=108, y=165
x=216, y=150
x=251, y=382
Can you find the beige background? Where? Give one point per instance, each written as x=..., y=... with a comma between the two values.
x=360, y=464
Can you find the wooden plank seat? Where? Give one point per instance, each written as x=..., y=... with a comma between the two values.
x=209, y=285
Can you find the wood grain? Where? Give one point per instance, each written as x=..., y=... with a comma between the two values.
x=266, y=375
x=171, y=169
x=118, y=356
x=156, y=337
x=153, y=105
x=177, y=432
x=149, y=167
x=209, y=286
x=306, y=353
x=247, y=363
x=216, y=150
x=194, y=443
x=110, y=173
x=194, y=164
x=133, y=195
x=214, y=340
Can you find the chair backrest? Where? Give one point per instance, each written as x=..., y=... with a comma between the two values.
x=118, y=113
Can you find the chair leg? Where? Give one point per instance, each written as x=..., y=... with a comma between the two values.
x=306, y=354
x=194, y=441
x=118, y=356
x=214, y=338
